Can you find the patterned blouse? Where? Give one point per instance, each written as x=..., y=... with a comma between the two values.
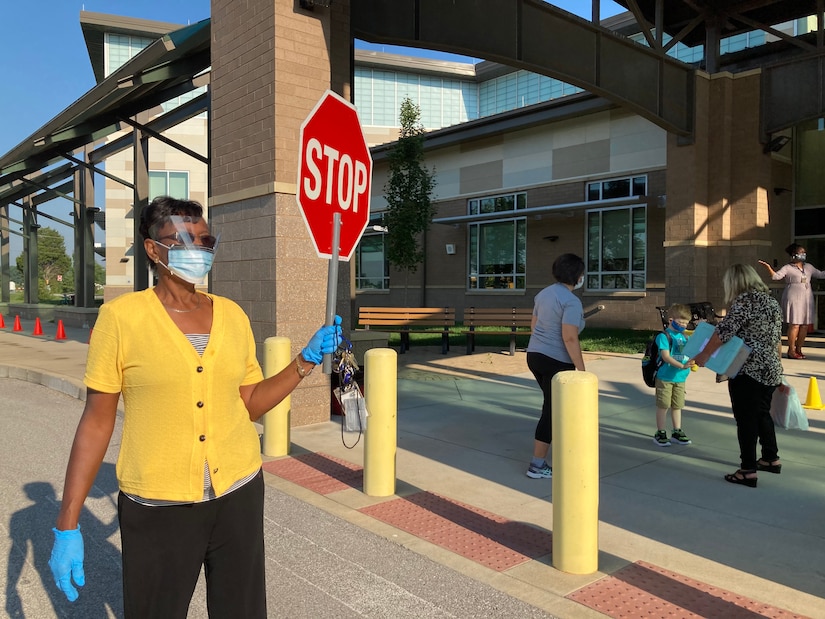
x=756, y=318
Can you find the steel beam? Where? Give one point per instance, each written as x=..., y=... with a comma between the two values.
x=536, y=36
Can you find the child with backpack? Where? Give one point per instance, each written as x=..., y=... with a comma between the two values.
x=671, y=376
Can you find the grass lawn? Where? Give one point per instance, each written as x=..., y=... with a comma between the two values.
x=592, y=340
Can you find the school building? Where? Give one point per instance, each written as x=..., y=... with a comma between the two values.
x=678, y=153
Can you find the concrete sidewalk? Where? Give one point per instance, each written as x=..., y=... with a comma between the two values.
x=673, y=536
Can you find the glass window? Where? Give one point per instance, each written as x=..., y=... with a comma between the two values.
x=809, y=222
x=121, y=48
x=372, y=270
x=616, y=188
x=497, y=249
x=497, y=204
x=166, y=183
x=498, y=255
x=616, y=249
x=171, y=104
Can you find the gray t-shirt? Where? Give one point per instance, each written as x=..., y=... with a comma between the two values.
x=554, y=306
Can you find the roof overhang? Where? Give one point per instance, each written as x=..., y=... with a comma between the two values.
x=167, y=68
x=542, y=210
x=690, y=19
x=95, y=26
x=563, y=108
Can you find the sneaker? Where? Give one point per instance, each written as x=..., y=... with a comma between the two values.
x=680, y=437
x=660, y=438
x=539, y=472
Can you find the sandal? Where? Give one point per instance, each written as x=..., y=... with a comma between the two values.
x=739, y=477
x=795, y=355
x=770, y=467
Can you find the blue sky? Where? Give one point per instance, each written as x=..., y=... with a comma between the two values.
x=44, y=65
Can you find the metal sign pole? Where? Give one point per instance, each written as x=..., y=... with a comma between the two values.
x=332, y=282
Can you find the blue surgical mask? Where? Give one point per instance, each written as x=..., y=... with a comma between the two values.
x=801, y=257
x=191, y=264
x=677, y=327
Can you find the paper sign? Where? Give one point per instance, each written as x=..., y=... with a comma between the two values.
x=728, y=358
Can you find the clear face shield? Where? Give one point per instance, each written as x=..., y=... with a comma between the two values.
x=191, y=246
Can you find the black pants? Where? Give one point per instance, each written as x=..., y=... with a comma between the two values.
x=544, y=368
x=751, y=403
x=165, y=547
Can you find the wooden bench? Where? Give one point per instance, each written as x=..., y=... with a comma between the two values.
x=406, y=320
x=510, y=321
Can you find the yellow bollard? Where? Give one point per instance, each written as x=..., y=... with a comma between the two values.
x=275, y=442
x=381, y=435
x=576, y=472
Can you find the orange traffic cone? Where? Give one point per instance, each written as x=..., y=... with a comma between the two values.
x=17, y=325
x=2, y=322
x=813, y=400
x=61, y=332
x=38, y=328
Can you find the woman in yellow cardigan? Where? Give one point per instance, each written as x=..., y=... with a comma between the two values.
x=189, y=467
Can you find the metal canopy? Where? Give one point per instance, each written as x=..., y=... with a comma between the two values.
x=163, y=70
x=173, y=65
x=689, y=20
x=538, y=37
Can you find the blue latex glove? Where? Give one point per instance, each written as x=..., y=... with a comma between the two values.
x=324, y=342
x=66, y=561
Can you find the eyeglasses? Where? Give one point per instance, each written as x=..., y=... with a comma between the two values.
x=186, y=239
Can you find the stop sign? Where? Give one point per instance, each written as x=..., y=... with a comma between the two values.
x=334, y=175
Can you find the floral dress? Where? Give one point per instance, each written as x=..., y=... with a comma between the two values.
x=756, y=318
x=798, y=297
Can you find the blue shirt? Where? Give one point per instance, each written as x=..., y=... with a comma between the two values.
x=667, y=373
x=554, y=306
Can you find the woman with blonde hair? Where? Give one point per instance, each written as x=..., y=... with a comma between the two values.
x=755, y=316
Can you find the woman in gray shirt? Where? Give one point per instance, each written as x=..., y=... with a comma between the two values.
x=558, y=318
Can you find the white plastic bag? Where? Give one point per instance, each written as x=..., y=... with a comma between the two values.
x=786, y=408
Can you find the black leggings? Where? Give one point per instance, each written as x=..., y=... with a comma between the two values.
x=544, y=368
x=751, y=403
x=165, y=547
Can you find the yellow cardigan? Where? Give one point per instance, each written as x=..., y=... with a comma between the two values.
x=180, y=408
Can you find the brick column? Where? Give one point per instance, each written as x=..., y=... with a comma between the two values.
x=717, y=190
x=271, y=62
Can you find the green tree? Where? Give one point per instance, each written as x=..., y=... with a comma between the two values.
x=52, y=261
x=100, y=274
x=408, y=191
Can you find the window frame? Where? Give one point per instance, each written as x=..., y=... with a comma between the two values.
x=514, y=278
x=597, y=276
x=376, y=219
x=167, y=173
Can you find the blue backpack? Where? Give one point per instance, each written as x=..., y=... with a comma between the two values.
x=652, y=360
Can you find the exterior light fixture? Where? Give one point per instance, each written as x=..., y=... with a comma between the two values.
x=776, y=144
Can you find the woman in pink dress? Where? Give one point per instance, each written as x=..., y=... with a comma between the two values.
x=798, y=297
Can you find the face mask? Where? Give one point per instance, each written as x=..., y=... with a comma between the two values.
x=579, y=283
x=191, y=264
x=677, y=327
x=800, y=257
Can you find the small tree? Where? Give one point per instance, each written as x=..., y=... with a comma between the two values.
x=408, y=192
x=100, y=274
x=52, y=261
